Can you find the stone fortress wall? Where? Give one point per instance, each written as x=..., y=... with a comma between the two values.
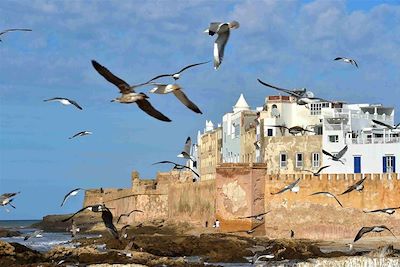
x=243, y=189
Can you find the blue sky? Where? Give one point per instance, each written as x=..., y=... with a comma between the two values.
x=286, y=43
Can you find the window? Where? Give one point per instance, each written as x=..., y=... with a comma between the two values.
x=318, y=130
x=333, y=138
x=389, y=164
x=299, y=160
x=270, y=132
x=283, y=160
x=237, y=131
x=315, y=160
x=315, y=108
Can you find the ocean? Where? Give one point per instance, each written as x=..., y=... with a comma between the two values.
x=42, y=244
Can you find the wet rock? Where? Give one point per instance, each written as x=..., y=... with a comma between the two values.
x=9, y=233
x=14, y=253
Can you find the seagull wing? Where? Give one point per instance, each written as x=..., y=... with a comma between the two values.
x=192, y=65
x=219, y=46
x=164, y=161
x=68, y=195
x=361, y=181
x=158, y=77
x=280, y=89
x=337, y=200
x=188, y=145
x=75, y=104
x=362, y=232
x=75, y=135
x=13, y=30
x=327, y=153
x=107, y=217
x=255, y=227
x=324, y=167
x=120, y=216
x=338, y=58
x=214, y=26
x=186, y=101
x=281, y=191
x=387, y=229
x=150, y=110
x=308, y=171
x=186, y=167
x=349, y=189
x=294, y=183
x=341, y=152
x=109, y=76
x=383, y=124
x=70, y=217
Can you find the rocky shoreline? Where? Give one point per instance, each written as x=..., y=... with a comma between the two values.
x=161, y=243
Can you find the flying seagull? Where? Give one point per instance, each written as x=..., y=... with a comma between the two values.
x=7, y=198
x=177, y=75
x=357, y=186
x=37, y=233
x=347, y=60
x=292, y=130
x=73, y=192
x=375, y=229
x=303, y=97
x=177, y=166
x=327, y=194
x=128, y=94
x=292, y=187
x=176, y=89
x=64, y=101
x=223, y=31
x=13, y=30
x=338, y=156
x=387, y=125
x=252, y=230
x=258, y=217
x=186, y=150
x=83, y=133
x=127, y=214
x=318, y=173
x=106, y=215
x=389, y=211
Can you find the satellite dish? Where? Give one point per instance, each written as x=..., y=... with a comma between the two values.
x=309, y=94
x=275, y=112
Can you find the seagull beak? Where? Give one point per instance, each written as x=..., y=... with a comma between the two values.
x=113, y=100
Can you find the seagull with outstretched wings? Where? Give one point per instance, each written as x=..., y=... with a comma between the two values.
x=327, y=194
x=357, y=186
x=177, y=75
x=291, y=187
x=177, y=166
x=317, y=173
x=375, y=229
x=338, y=156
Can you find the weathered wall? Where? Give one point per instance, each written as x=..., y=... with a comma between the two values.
x=319, y=217
x=192, y=202
x=240, y=192
x=210, y=153
x=290, y=145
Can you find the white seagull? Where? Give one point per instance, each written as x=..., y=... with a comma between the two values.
x=83, y=133
x=317, y=173
x=64, y=101
x=292, y=187
x=223, y=31
x=177, y=75
x=176, y=89
x=386, y=125
x=347, y=60
x=73, y=192
x=357, y=186
x=186, y=150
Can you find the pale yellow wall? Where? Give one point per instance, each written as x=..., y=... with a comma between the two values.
x=291, y=145
x=209, y=153
x=247, y=147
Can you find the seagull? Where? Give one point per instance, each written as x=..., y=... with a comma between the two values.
x=303, y=97
x=177, y=166
x=258, y=217
x=292, y=130
x=223, y=31
x=74, y=229
x=83, y=133
x=387, y=125
x=376, y=229
x=13, y=30
x=389, y=211
x=128, y=94
x=36, y=234
x=6, y=199
x=327, y=194
x=347, y=60
x=127, y=214
x=338, y=156
x=257, y=258
x=177, y=75
x=186, y=150
x=292, y=187
x=106, y=215
x=64, y=101
x=318, y=173
x=252, y=230
x=73, y=192
x=357, y=186
x=176, y=89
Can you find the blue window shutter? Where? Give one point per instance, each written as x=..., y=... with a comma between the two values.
x=384, y=164
x=394, y=163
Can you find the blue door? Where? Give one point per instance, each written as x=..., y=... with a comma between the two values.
x=357, y=164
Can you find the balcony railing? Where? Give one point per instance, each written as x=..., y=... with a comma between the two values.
x=379, y=140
